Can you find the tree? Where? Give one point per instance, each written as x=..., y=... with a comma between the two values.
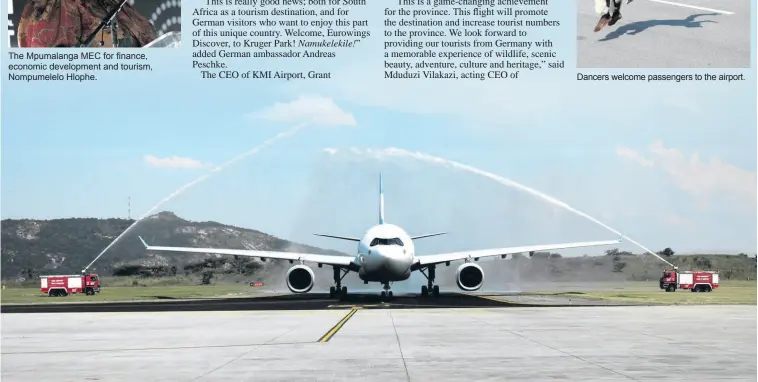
x=31, y=273
x=612, y=252
x=173, y=270
x=239, y=264
x=703, y=262
x=618, y=266
x=668, y=252
x=207, y=276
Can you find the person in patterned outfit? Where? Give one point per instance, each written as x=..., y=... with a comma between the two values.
x=68, y=23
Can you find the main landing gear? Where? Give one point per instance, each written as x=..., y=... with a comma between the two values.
x=430, y=287
x=335, y=291
x=338, y=289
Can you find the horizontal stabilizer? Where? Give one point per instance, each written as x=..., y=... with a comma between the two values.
x=427, y=235
x=338, y=237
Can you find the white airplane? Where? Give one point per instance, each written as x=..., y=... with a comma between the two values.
x=385, y=254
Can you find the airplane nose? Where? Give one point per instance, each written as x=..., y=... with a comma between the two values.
x=394, y=253
x=395, y=257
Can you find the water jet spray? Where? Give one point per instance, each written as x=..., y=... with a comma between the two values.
x=217, y=169
x=384, y=154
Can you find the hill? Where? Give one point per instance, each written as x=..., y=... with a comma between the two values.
x=65, y=246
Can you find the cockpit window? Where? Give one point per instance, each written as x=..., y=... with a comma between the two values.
x=381, y=241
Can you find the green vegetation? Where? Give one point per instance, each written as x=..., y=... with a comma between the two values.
x=618, y=265
x=125, y=289
x=728, y=293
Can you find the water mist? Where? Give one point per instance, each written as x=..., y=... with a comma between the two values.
x=215, y=170
x=387, y=153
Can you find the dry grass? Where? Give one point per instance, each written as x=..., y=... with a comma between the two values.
x=728, y=293
x=33, y=295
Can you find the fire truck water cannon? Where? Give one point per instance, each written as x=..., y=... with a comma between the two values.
x=61, y=286
x=695, y=281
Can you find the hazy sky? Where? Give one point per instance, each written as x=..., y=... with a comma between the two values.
x=669, y=164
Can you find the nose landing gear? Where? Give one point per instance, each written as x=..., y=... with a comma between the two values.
x=386, y=293
x=430, y=287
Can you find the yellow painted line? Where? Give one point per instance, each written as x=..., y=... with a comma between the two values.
x=352, y=306
x=326, y=337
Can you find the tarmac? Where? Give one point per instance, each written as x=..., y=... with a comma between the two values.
x=667, y=34
x=363, y=339
x=309, y=301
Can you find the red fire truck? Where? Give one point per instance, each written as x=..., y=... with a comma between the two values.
x=65, y=285
x=695, y=281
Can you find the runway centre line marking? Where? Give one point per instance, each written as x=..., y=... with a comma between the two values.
x=336, y=328
x=692, y=6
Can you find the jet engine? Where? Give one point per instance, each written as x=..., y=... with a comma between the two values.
x=300, y=279
x=469, y=277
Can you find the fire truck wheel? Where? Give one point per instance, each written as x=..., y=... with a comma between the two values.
x=90, y=292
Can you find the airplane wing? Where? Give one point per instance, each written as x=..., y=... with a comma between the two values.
x=344, y=261
x=453, y=256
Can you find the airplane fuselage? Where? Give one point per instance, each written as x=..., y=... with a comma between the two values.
x=385, y=254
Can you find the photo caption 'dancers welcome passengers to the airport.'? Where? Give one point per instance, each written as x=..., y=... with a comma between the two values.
x=378, y=190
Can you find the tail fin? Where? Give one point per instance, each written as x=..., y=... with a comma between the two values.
x=381, y=200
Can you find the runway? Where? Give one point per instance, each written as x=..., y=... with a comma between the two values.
x=309, y=301
x=678, y=343
x=667, y=34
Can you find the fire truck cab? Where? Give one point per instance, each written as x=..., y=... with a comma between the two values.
x=695, y=281
x=55, y=286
